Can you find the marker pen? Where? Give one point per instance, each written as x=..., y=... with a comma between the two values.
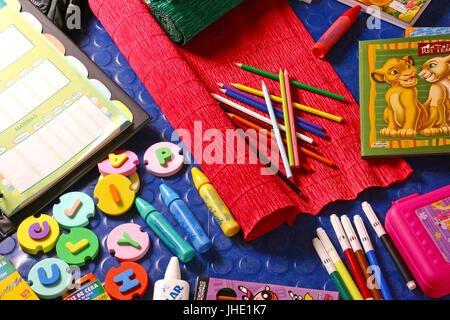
x=328, y=264
x=339, y=265
x=215, y=204
x=335, y=32
x=350, y=257
x=389, y=245
x=171, y=287
x=368, y=248
x=361, y=258
x=164, y=230
x=186, y=219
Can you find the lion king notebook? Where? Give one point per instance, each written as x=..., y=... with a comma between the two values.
x=405, y=96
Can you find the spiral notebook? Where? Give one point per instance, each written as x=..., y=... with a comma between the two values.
x=53, y=118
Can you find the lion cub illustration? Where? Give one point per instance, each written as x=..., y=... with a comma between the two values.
x=404, y=115
x=437, y=72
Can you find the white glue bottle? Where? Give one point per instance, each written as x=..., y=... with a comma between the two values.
x=171, y=287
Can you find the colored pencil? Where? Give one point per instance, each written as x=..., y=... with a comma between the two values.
x=293, y=82
x=287, y=123
x=235, y=94
x=261, y=101
x=295, y=104
x=270, y=134
x=276, y=129
x=266, y=161
x=256, y=116
x=389, y=245
x=328, y=264
x=370, y=253
x=290, y=108
x=261, y=105
x=339, y=265
x=350, y=257
x=361, y=258
x=257, y=135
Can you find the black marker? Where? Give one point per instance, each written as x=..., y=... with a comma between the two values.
x=389, y=245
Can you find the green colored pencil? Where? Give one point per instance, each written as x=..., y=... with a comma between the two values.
x=293, y=82
x=286, y=119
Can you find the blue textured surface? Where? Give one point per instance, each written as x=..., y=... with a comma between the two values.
x=285, y=256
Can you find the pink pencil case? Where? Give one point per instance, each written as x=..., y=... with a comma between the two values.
x=419, y=226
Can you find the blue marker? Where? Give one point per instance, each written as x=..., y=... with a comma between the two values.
x=186, y=219
x=368, y=248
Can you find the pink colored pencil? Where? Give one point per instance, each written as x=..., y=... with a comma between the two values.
x=291, y=119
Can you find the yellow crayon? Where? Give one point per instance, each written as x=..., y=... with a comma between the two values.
x=215, y=204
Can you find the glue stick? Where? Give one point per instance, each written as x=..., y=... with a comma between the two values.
x=171, y=287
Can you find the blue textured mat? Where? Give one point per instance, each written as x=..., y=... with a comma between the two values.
x=284, y=256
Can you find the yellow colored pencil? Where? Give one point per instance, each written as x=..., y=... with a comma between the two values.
x=295, y=104
x=286, y=121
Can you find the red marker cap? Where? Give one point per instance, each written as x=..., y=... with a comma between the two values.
x=335, y=32
x=352, y=13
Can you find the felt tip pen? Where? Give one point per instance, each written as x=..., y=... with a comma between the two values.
x=361, y=258
x=329, y=266
x=171, y=287
x=368, y=248
x=335, y=32
x=350, y=257
x=339, y=265
x=389, y=246
x=164, y=230
x=215, y=204
x=186, y=219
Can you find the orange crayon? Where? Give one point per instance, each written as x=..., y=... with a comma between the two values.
x=335, y=32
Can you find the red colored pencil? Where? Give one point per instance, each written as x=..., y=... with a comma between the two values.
x=303, y=150
x=290, y=108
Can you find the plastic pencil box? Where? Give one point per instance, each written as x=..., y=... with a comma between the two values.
x=419, y=226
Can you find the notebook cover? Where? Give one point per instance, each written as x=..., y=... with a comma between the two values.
x=209, y=288
x=404, y=118
x=140, y=119
x=398, y=12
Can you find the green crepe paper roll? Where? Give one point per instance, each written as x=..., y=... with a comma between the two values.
x=183, y=19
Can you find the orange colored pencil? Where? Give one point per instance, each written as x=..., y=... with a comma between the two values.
x=304, y=165
x=303, y=150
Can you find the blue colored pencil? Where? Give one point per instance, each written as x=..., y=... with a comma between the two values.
x=371, y=257
x=276, y=130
